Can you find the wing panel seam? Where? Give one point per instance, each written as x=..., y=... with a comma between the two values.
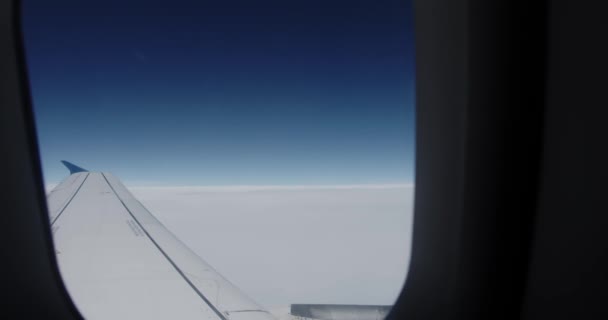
x=181, y=273
x=70, y=201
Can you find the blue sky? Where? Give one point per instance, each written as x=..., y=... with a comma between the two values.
x=224, y=92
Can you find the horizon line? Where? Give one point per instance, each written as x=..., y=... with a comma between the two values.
x=50, y=186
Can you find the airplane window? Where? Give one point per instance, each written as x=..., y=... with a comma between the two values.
x=228, y=159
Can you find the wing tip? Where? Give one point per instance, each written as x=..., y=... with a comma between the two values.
x=72, y=167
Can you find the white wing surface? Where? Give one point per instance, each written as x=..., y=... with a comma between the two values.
x=119, y=262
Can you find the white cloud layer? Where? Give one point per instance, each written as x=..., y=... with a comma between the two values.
x=295, y=244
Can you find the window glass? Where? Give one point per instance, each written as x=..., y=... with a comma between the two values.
x=274, y=138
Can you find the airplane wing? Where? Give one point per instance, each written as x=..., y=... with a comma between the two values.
x=119, y=262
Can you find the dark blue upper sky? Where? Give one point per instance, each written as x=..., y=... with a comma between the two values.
x=224, y=92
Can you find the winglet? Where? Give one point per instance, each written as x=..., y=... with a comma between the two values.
x=73, y=168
